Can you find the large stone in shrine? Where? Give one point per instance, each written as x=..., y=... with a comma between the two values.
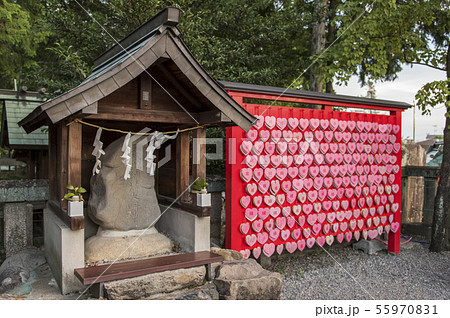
x=125, y=210
x=119, y=204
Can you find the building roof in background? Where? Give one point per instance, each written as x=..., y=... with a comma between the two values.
x=427, y=143
x=14, y=108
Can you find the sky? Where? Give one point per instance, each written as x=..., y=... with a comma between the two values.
x=403, y=89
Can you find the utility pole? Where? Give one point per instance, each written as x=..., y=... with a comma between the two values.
x=414, y=122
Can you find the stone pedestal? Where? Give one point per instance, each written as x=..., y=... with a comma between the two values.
x=108, y=246
x=18, y=227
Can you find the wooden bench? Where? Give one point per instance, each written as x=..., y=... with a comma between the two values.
x=97, y=275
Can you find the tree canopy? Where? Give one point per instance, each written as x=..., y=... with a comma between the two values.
x=259, y=42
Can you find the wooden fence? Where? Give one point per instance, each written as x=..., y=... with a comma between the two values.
x=419, y=186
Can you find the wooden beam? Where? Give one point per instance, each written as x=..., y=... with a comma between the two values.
x=74, y=223
x=421, y=171
x=128, y=269
x=352, y=104
x=74, y=154
x=165, y=72
x=145, y=91
x=187, y=207
x=211, y=117
x=141, y=115
x=182, y=166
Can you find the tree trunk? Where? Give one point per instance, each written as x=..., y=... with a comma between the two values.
x=439, y=235
x=318, y=44
x=331, y=36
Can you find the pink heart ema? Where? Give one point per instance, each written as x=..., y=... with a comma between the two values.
x=311, y=181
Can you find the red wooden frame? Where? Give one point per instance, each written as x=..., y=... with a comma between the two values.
x=235, y=187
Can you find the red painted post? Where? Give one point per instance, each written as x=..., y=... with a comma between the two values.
x=394, y=238
x=232, y=208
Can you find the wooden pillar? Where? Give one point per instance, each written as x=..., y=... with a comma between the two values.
x=182, y=167
x=52, y=146
x=61, y=163
x=31, y=164
x=199, y=154
x=394, y=238
x=74, y=154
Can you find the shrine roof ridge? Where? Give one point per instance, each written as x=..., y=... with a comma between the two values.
x=279, y=91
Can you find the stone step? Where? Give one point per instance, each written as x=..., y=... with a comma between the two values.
x=144, y=287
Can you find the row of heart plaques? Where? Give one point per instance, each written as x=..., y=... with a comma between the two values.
x=312, y=190
x=334, y=221
x=324, y=176
x=312, y=124
x=306, y=239
x=329, y=151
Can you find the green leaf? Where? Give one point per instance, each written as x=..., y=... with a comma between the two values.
x=68, y=196
x=81, y=190
x=70, y=187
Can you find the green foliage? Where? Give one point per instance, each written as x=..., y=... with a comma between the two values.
x=432, y=94
x=199, y=185
x=76, y=191
x=382, y=39
x=388, y=35
x=247, y=41
x=252, y=41
x=216, y=167
x=20, y=35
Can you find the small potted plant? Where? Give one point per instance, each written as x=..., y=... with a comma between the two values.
x=203, y=197
x=75, y=200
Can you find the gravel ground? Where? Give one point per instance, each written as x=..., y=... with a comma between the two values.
x=413, y=274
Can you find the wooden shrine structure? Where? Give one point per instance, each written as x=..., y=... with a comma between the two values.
x=147, y=80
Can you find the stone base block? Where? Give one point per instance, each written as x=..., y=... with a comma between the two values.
x=153, y=285
x=18, y=223
x=64, y=251
x=204, y=292
x=107, y=247
x=189, y=230
x=246, y=279
x=369, y=247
